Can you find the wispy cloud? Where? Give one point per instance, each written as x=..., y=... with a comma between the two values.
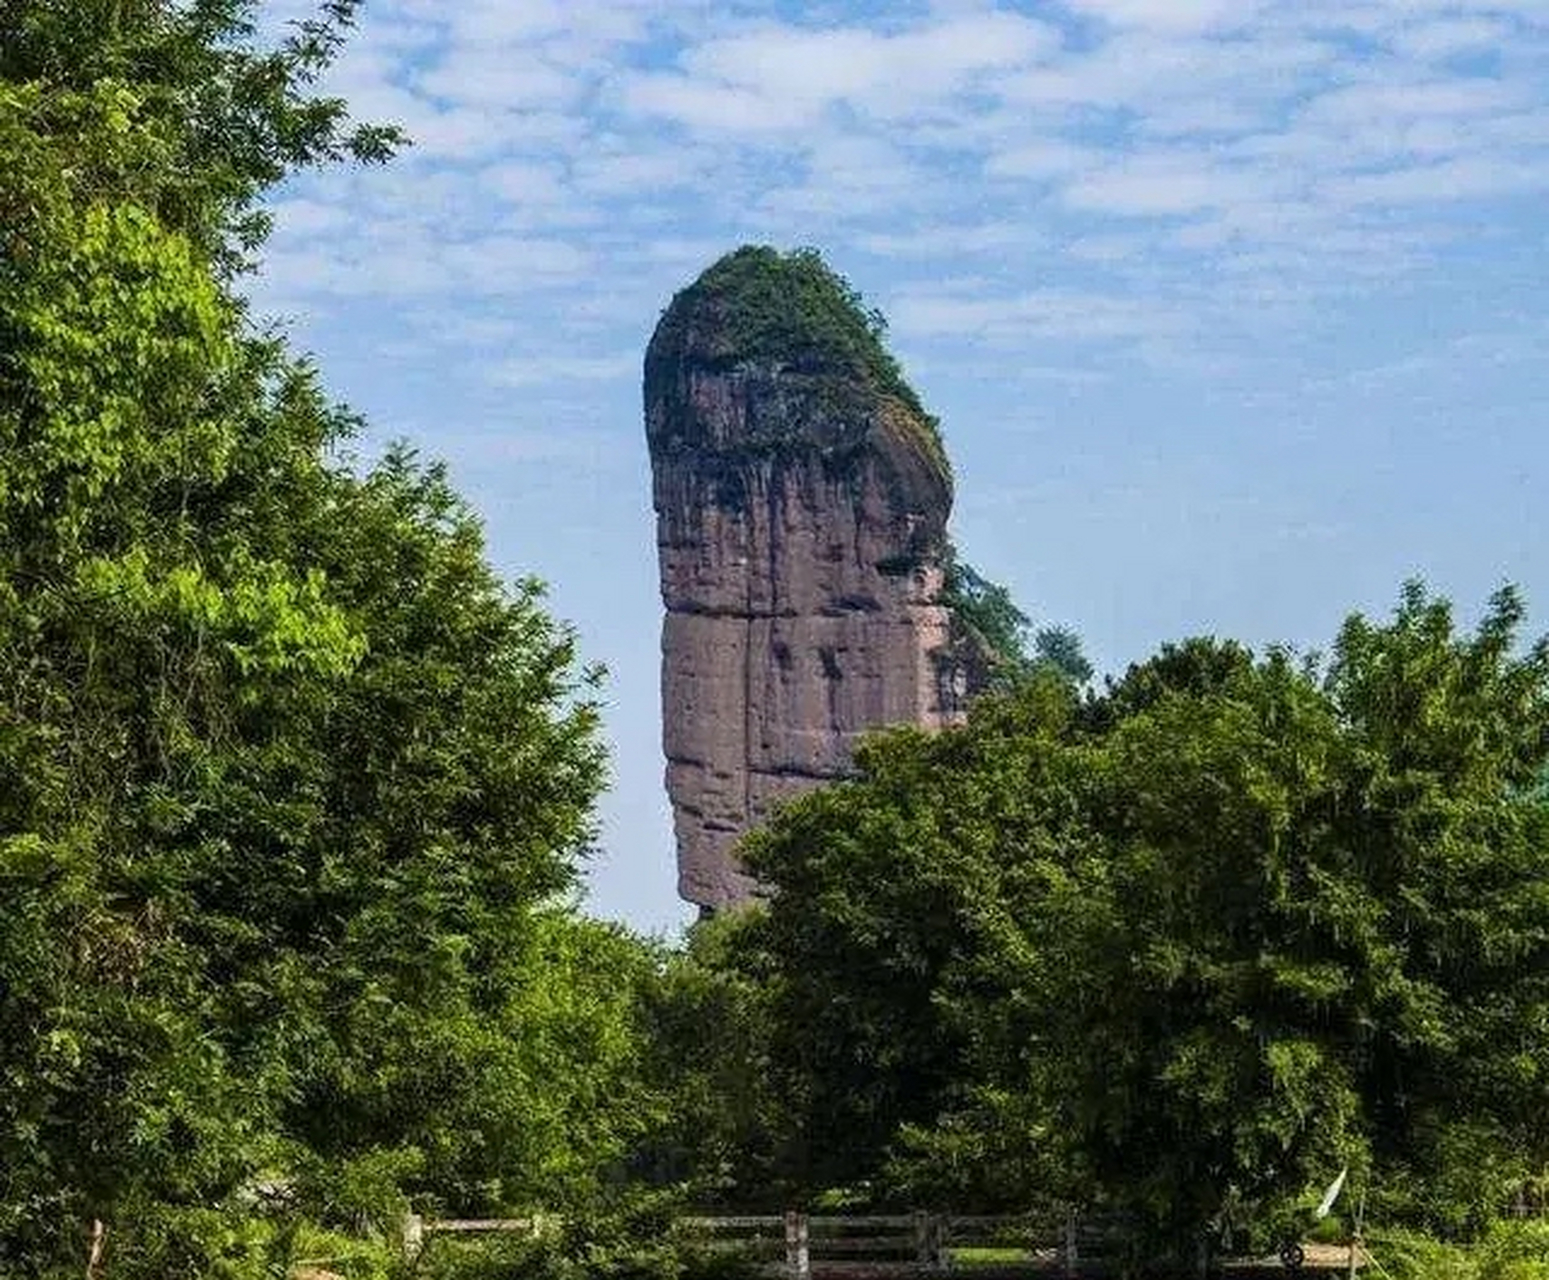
x=971, y=311
x=788, y=75
x=526, y=371
x=1131, y=167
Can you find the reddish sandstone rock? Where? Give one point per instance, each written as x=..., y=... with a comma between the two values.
x=802, y=498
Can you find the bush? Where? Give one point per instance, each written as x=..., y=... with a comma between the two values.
x=1408, y=1255
x=1508, y=1251
x=1515, y=1251
x=505, y=1258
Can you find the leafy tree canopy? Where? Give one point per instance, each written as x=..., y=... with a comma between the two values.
x=291, y=785
x=1190, y=944
x=986, y=611
x=224, y=118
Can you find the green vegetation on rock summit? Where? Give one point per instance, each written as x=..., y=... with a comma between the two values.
x=757, y=304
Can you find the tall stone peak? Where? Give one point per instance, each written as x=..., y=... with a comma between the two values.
x=802, y=495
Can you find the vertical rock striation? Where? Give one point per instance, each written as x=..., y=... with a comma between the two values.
x=802, y=497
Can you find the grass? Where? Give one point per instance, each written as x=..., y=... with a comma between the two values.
x=991, y=1254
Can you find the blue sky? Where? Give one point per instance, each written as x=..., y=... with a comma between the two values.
x=1235, y=312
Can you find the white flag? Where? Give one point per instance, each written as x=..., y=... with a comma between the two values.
x=1331, y=1195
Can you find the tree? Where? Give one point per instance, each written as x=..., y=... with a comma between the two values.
x=986, y=611
x=227, y=120
x=894, y=918
x=293, y=789
x=1195, y=942
x=1060, y=649
x=708, y=1046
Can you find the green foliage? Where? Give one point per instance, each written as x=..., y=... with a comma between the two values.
x=293, y=790
x=709, y=1045
x=641, y=1249
x=895, y=911
x=986, y=611
x=293, y=793
x=1508, y=1251
x=1059, y=649
x=1410, y=1255
x=1204, y=938
x=229, y=120
x=524, y=1089
x=794, y=310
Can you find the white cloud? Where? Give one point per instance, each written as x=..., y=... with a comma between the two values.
x=525, y=182
x=498, y=78
x=1169, y=15
x=846, y=177
x=857, y=64
x=1462, y=178
x=776, y=77
x=1444, y=38
x=718, y=108
x=944, y=241
x=1457, y=99
x=623, y=173
x=1167, y=184
x=1050, y=314
x=307, y=217
x=1106, y=248
x=1046, y=158
x=526, y=371
x=1206, y=155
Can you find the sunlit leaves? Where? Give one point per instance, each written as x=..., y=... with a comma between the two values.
x=292, y=787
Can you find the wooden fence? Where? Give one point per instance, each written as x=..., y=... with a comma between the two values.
x=794, y=1244
x=416, y=1228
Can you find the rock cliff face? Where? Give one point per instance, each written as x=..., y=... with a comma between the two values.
x=802, y=497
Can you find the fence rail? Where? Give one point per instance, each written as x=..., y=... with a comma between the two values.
x=794, y=1243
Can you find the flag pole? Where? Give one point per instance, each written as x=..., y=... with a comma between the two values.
x=1355, y=1240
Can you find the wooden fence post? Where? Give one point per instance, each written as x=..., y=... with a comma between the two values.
x=413, y=1235
x=1068, y=1258
x=96, y=1245
x=798, y=1263
x=922, y=1238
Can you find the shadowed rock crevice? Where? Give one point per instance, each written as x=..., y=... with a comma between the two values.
x=802, y=497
